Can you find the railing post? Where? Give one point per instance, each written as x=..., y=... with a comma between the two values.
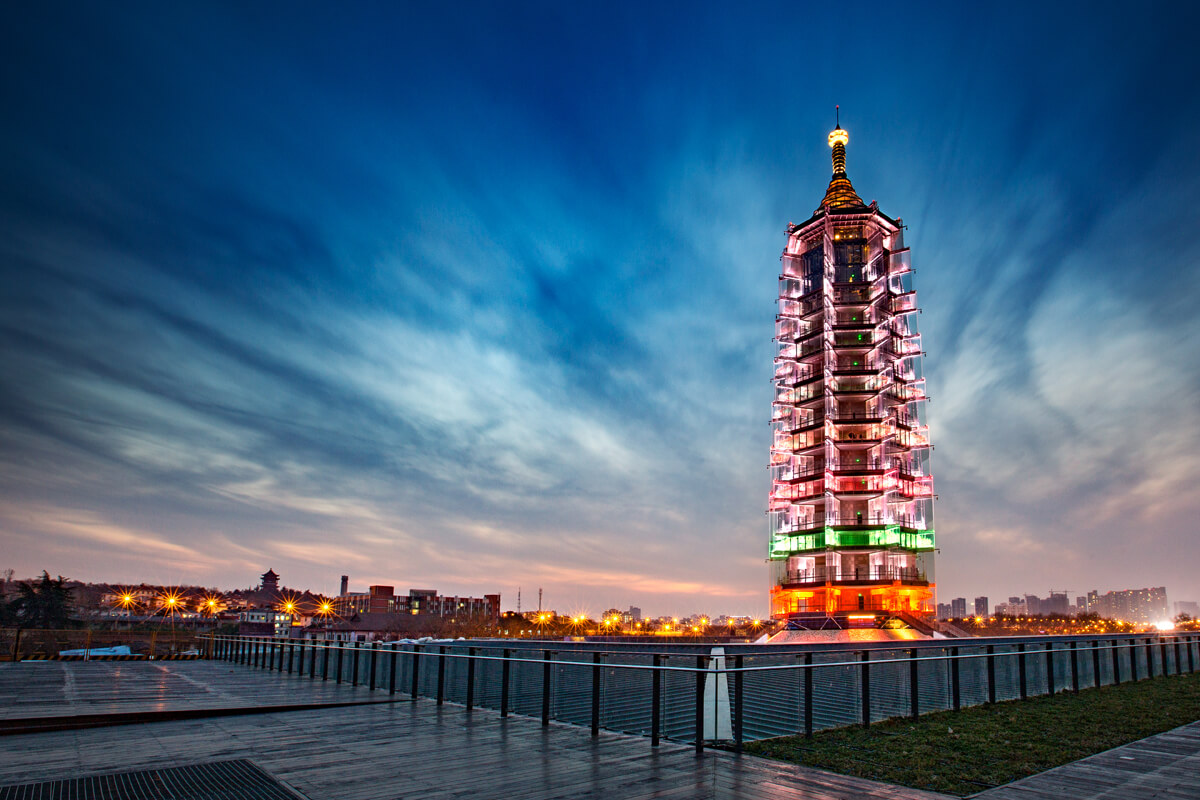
x=1162, y=648
x=374, y=659
x=1074, y=667
x=954, y=682
x=441, y=674
x=341, y=655
x=808, y=695
x=279, y=649
x=505, y=671
x=1178, y=660
x=701, y=666
x=914, y=692
x=325, y=661
x=354, y=664
x=395, y=649
x=1149, y=657
x=1050, y=668
x=547, y=656
x=416, y=670
x=1191, y=657
x=1116, y=659
x=291, y=654
x=1133, y=660
x=1021, y=674
x=865, y=680
x=655, y=700
x=596, y=694
x=739, y=686
x=991, y=672
x=470, y=678
x=1096, y=662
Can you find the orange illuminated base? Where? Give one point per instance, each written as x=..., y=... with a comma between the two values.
x=841, y=600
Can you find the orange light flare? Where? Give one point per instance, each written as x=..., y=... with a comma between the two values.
x=170, y=603
x=210, y=605
x=126, y=600
x=323, y=609
x=289, y=604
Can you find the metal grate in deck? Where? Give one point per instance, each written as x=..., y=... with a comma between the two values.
x=217, y=780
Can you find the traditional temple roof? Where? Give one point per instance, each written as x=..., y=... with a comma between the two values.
x=840, y=193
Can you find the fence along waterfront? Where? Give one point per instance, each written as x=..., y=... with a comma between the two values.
x=726, y=693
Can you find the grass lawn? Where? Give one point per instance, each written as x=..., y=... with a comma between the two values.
x=963, y=752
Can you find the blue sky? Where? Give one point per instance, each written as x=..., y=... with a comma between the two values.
x=482, y=297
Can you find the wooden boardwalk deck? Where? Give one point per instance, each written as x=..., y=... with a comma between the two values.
x=39, y=689
x=1166, y=766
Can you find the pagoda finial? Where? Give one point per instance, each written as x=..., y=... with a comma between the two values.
x=841, y=193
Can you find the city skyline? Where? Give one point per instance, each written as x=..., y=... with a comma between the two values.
x=485, y=301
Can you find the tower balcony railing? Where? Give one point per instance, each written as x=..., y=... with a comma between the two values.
x=785, y=525
x=821, y=575
x=904, y=303
x=798, y=491
x=916, y=487
x=858, y=366
x=875, y=433
x=846, y=466
x=798, y=443
x=789, y=307
x=866, y=485
x=798, y=423
x=847, y=296
x=790, y=330
x=848, y=520
x=857, y=321
x=859, y=340
x=868, y=386
x=913, y=438
x=857, y=417
x=795, y=287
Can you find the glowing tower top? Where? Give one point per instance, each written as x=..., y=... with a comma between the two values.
x=840, y=193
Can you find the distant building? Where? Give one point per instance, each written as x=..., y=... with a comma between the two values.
x=981, y=606
x=943, y=611
x=384, y=600
x=345, y=586
x=1081, y=604
x=1033, y=604
x=958, y=607
x=1056, y=603
x=1189, y=607
x=1132, y=605
x=270, y=581
x=634, y=613
x=264, y=622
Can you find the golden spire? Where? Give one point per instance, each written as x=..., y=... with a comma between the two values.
x=840, y=193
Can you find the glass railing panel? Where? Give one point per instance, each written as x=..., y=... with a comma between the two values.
x=773, y=702
x=837, y=693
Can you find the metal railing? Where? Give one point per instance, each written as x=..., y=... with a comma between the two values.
x=851, y=574
x=733, y=694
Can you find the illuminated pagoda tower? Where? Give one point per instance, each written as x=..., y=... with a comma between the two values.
x=851, y=506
